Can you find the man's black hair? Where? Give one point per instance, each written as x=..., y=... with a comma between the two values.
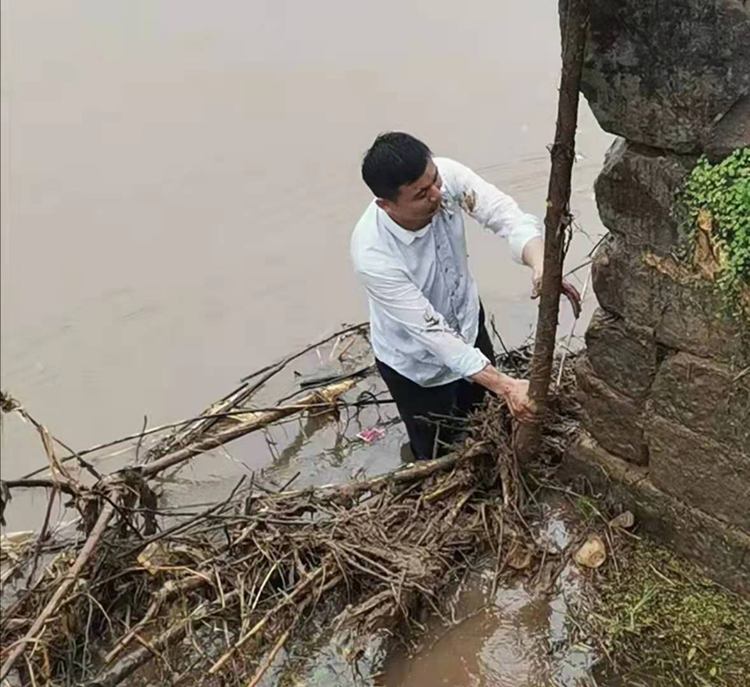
x=394, y=159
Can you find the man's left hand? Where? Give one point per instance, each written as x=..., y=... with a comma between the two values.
x=568, y=290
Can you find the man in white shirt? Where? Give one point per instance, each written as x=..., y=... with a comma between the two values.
x=427, y=322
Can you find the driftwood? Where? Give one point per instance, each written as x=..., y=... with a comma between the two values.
x=287, y=548
x=225, y=431
x=107, y=498
x=145, y=653
x=192, y=428
x=63, y=588
x=241, y=395
x=386, y=547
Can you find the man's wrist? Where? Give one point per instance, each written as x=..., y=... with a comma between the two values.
x=497, y=382
x=504, y=384
x=533, y=254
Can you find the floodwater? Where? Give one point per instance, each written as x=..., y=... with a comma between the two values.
x=520, y=637
x=180, y=180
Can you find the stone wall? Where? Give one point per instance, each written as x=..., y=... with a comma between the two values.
x=665, y=382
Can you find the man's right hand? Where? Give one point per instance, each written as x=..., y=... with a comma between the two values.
x=515, y=392
x=516, y=395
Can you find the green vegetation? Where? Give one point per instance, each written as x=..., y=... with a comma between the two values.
x=660, y=620
x=717, y=225
x=586, y=508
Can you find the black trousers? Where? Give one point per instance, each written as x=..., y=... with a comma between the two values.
x=427, y=411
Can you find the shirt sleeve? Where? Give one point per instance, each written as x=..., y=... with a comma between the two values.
x=403, y=303
x=491, y=207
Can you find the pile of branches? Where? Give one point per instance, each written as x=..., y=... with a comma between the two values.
x=213, y=597
x=235, y=582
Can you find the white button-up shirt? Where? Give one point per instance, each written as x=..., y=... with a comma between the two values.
x=424, y=303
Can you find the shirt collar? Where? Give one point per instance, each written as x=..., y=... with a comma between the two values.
x=403, y=235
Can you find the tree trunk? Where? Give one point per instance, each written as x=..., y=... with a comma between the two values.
x=557, y=220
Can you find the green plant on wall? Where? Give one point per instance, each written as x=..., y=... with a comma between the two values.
x=717, y=201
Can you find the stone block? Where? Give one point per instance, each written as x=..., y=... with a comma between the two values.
x=699, y=471
x=721, y=550
x=731, y=132
x=623, y=283
x=705, y=396
x=624, y=355
x=636, y=192
x=693, y=318
x=614, y=419
x=685, y=311
x=663, y=74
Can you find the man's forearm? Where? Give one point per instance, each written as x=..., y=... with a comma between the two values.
x=533, y=254
x=515, y=392
x=491, y=378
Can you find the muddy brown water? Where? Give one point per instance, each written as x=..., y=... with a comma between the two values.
x=520, y=637
x=179, y=183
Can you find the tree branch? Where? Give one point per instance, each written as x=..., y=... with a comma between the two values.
x=556, y=222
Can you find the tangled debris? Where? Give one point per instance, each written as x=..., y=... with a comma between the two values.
x=236, y=581
x=219, y=596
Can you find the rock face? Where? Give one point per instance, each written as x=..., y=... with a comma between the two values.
x=635, y=195
x=665, y=382
x=635, y=275
x=615, y=419
x=700, y=471
x=633, y=370
x=665, y=74
x=707, y=397
x=723, y=550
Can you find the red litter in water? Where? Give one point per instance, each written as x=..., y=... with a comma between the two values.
x=371, y=435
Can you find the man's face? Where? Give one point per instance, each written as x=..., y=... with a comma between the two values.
x=417, y=202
